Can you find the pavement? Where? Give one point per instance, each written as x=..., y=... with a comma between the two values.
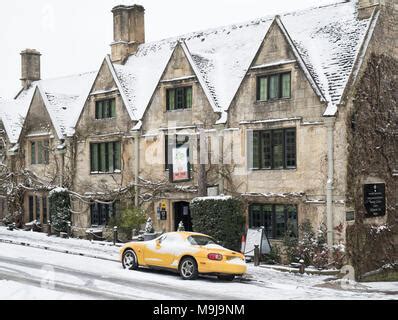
x=34, y=266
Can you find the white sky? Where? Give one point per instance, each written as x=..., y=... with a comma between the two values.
x=74, y=35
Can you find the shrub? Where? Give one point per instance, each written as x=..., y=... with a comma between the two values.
x=312, y=248
x=274, y=257
x=128, y=220
x=59, y=209
x=290, y=247
x=221, y=218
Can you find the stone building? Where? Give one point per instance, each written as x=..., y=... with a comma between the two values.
x=261, y=110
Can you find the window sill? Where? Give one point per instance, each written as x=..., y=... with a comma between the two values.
x=105, y=173
x=105, y=119
x=264, y=102
x=178, y=110
x=180, y=181
x=272, y=170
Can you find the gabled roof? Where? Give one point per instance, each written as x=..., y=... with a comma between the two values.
x=64, y=99
x=224, y=55
x=13, y=113
x=138, y=77
x=220, y=58
x=329, y=39
x=326, y=40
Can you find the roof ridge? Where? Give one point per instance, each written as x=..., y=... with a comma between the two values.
x=67, y=76
x=332, y=4
x=208, y=31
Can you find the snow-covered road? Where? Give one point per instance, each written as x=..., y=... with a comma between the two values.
x=29, y=273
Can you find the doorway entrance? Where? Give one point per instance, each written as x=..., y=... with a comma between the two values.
x=182, y=213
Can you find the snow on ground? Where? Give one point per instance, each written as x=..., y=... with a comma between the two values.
x=11, y=290
x=94, y=248
x=77, y=276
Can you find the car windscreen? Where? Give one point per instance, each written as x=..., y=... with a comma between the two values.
x=201, y=240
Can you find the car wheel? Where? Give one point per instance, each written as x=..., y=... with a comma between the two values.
x=129, y=260
x=188, y=269
x=226, y=277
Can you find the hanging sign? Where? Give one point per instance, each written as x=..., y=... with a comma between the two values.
x=180, y=167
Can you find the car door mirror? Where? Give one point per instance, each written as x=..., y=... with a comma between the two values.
x=158, y=242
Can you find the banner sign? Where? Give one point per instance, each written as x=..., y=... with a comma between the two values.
x=180, y=167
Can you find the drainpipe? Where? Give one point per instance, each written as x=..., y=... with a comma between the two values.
x=60, y=152
x=136, y=136
x=220, y=131
x=330, y=121
x=61, y=178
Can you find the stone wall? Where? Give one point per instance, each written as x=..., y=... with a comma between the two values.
x=373, y=150
x=303, y=111
x=91, y=130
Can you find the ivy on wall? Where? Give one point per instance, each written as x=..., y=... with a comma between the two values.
x=373, y=152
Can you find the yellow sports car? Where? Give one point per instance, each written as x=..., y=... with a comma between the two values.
x=188, y=253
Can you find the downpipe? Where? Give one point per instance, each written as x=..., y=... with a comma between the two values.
x=330, y=121
x=136, y=135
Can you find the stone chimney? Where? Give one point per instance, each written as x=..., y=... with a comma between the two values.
x=128, y=31
x=30, y=67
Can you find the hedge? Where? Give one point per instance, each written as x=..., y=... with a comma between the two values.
x=59, y=209
x=221, y=218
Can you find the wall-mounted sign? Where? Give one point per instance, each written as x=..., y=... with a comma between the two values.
x=375, y=199
x=161, y=210
x=180, y=167
x=163, y=215
x=350, y=216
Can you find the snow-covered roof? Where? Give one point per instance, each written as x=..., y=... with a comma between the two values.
x=326, y=40
x=220, y=58
x=13, y=113
x=329, y=39
x=65, y=98
x=224, y=55
x=140, y=75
